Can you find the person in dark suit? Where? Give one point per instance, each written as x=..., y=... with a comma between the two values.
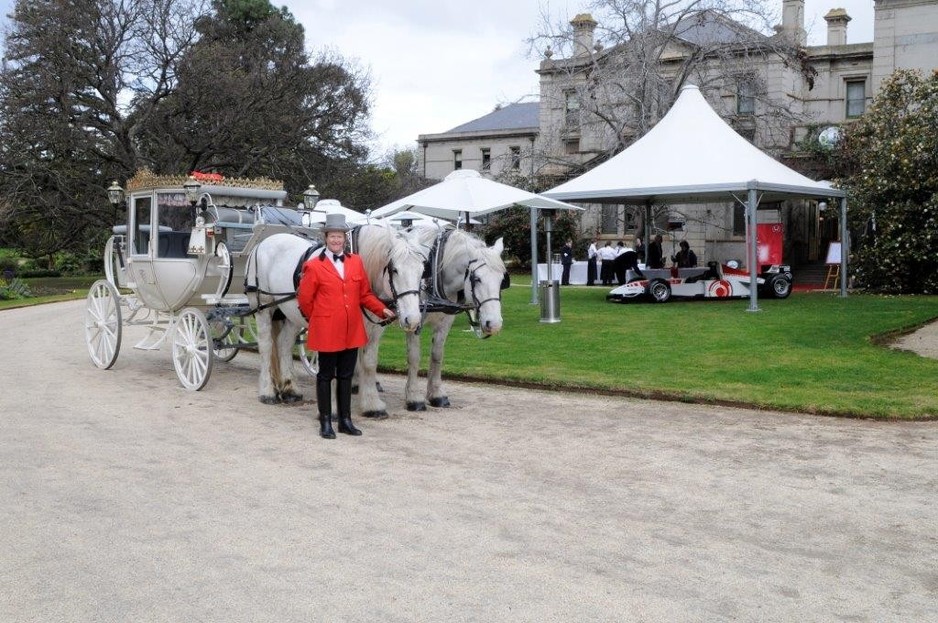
x=655, y=255
x=333, y=289
x=685, y=258
x=566, y=260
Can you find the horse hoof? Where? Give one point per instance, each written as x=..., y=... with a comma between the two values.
x=441, y=401
x=269, y=400
x=376, y=415
x=291, y=397
x=379, y=388
x=416, y=406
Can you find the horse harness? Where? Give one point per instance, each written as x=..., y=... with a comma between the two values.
x=436, y=300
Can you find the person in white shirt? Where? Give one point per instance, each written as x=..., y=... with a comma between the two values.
x=607, y=272
x=592, y=254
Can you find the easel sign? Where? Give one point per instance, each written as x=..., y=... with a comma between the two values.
x=834, y=253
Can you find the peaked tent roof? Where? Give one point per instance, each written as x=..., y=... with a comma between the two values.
x=690, y=156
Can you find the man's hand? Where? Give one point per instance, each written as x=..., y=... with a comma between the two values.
x=389, y=313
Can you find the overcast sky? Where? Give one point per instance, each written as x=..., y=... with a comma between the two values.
x=436, y=64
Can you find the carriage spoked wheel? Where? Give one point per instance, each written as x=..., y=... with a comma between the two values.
x=103, y=323
x=225, y=340
x=309, y=358
x=193, y=352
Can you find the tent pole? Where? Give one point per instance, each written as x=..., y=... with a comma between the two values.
x=753, y=250
x=647, y=231
x=533, y=256
x=844, y=247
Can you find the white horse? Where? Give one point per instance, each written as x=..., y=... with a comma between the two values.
x=465, y=275
x=393, y=260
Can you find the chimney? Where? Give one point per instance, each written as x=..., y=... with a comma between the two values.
x=583, y=27
x=837, y=26
x=793, y=21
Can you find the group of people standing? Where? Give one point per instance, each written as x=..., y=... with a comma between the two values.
x=608, y=264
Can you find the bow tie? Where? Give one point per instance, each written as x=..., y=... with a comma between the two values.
x=339, y=258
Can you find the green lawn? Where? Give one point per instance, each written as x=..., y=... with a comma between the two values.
x=811, y=353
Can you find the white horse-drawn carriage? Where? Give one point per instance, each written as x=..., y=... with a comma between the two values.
x=177, y=268
x=201, y=260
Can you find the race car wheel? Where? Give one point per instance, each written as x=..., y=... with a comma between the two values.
x=780, y=286
x=659, y=290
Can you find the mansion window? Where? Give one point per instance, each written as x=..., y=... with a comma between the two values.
x=514, y=154
x=745, y=97
x=571, y=146
x=739, y=219
x=457, y=159
x=856, y=98
x=486, y=159
x=571, y=109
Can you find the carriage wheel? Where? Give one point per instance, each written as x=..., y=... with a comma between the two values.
x=309, y=358
x=192, y=349
x=224, y=340
x=103, y=323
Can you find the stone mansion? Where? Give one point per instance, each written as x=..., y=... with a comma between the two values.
x=782, y=107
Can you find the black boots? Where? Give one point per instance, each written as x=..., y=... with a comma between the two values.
x=324, y=402
x=344, y=404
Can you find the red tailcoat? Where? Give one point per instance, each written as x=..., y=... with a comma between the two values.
x=333, y=305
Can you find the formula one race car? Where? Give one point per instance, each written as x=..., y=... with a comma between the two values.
x=713, y=281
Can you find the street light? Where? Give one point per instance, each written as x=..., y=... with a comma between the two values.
x=115, y=194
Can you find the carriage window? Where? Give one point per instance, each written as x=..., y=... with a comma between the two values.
x=176, y=219
x=141, y=233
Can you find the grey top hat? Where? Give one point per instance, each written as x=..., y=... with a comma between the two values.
x=335, y=222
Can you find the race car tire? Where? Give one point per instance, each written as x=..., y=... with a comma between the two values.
x=779, y=286
x=659, y=291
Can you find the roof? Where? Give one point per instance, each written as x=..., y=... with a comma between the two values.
x=691, y=155
x=510, y=117
x=707, y=28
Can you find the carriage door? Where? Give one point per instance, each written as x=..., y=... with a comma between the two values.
x=139, y=264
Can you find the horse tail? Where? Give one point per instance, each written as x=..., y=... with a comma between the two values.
x=275, y=326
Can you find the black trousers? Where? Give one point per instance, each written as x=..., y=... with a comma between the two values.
x=590, y=271
x=565, y=275
x=339, y=365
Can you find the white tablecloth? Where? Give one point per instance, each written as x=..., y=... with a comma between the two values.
x=577, y=272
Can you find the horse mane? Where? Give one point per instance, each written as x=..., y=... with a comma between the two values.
x=462, y=238
x=377, y=246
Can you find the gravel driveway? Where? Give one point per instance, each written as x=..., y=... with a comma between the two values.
x=124, y=497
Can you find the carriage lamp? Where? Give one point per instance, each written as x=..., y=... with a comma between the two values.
x=115, y=194
x=310, y=197
x=192, y=187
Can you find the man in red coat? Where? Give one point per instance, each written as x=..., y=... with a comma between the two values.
x=333, y=289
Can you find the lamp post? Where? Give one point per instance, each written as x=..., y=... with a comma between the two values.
x=115, y=195
x=310, y=197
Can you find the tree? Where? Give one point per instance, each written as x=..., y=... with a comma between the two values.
x=606, y=96
x=891, y=167
x=69, y=69
x=250, y=103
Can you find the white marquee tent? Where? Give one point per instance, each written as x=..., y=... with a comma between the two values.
x=693, y=156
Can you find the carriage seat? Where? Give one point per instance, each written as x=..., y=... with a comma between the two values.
x=174, y=244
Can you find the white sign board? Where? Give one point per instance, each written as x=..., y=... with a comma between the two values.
x=834, y=253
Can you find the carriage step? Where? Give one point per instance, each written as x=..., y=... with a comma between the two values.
x=211, y=299
x=153, y=339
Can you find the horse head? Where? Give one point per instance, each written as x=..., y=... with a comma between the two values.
x=395, y=261
x=484, y=280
